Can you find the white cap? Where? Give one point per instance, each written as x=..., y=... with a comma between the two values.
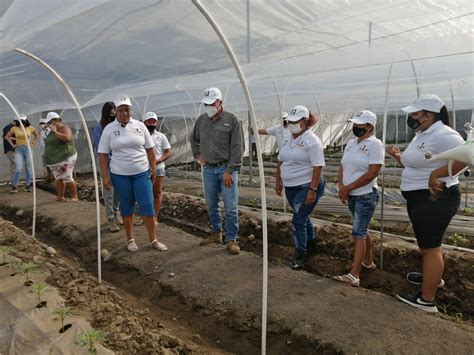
x=123, y=100
x=42, y=121
x=150, y=115
x=211, y=95
x=51, y=116
x=427, y=102
x=284, y=115
x=23, y=117
x=297, y=113
x=363, y=117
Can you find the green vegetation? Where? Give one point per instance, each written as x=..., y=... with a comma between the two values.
x=89, y=340
x=458, y=240
x=62, y=313
x=38, y=290
x=335, y=217
x=27, y=269
x=4, y=250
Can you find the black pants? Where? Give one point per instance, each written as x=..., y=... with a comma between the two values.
x=430, y=215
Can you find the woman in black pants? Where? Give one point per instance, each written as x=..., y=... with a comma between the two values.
x=433, y=197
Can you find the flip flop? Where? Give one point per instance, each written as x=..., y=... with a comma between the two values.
x=157, y=245
x=372, y=266
x=348, y=279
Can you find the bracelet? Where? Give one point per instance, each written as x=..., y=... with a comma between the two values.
x=312, y=189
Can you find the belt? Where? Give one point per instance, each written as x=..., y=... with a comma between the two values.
x=215, y=165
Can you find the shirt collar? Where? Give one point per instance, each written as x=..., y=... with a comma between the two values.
x=431, y=128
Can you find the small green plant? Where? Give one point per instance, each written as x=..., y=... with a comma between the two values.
x=4, y=250
x=372, y=223
x=38, y=290
x=467, y=210
x=458, y=316
x=443, y=307
x=335, y=217
x=459, y=240
x=62, y=313
x=14, y=266
x=252, y=202
x=26, y=270
x=89, y=339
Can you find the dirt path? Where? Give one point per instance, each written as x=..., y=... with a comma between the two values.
x=219, y=295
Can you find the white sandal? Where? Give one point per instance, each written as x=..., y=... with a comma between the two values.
x=158, y=245
x=131, y=245
x=372, y=266
x=348, y=279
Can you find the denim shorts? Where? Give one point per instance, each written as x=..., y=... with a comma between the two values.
x=362, y=208
x=160, y=172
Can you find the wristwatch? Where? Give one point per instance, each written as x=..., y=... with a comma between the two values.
x=313, y=188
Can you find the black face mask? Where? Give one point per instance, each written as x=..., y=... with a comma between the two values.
x=358, y=131
x=151, y=129
x=412, y=123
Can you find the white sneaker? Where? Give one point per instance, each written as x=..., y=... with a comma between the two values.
x=118, y=219
x=131, y=245
x=157, y=245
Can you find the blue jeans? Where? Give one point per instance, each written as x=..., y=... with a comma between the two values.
x=303, y=229
x=213, y=187
x=134, y=188
x=362, y=208
x=22, y=159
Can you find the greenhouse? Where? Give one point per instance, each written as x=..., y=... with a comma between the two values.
x=336, y=58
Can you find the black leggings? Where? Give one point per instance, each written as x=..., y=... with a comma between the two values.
x=430, y=215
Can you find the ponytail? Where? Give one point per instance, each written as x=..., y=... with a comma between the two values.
x=444, y=117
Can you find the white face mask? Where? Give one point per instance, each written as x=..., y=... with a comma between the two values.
x=295, y=128
x=210, y=110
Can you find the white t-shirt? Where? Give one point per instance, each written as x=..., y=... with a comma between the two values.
x=161, y=143
x=127, y=146
x=436, y=139
x=356, y=160
x=298, y=157
x=279, y=132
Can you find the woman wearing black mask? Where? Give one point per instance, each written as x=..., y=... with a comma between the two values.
x=360, y=166
x=163, y=153
x=111, y=198
x=432, y=196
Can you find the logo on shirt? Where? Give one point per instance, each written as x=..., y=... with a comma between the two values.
x=364, y=149
x=138, y=131
x=422, y=146
x=116, y=133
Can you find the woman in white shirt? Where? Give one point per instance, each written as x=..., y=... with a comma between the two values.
x=131, y=169
x=299, y=168
x=357, y=180
x=433, y=197
x=163, y=153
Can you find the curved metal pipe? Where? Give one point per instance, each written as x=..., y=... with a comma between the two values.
x=32, y=163
x=384, y=139
x=89, y=143
x=260, y=166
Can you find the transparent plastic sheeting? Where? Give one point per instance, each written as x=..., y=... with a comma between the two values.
x=164, y=54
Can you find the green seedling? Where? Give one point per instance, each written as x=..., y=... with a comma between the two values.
x=4, y=250
x=38, y=290
x=335, y=218
x=467, y=210
x=89, y=340
x=372, y=223
x=459, y=240
x=62, y=313
x=26, y=270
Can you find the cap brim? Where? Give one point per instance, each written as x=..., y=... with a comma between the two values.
x=357, y=121
x=208, y=101
x=411, y=109
x=294, y=118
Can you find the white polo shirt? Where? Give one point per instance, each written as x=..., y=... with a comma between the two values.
x=161, y=143
x=127, y=147
x=279, y=132
x=298, y=157
x=436, y=139
x=356, y=160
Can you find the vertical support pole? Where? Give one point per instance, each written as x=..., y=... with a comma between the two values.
x=32, y=163
x=384, y=139
x=89, y=143
x=246, y=91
